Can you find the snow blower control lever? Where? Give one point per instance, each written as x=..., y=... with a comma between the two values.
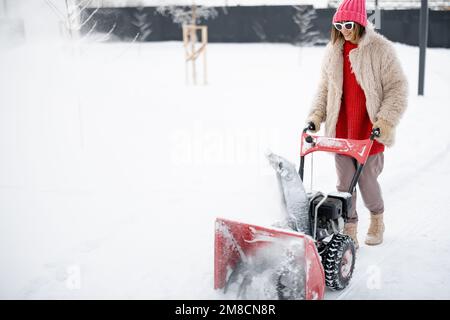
x=358, y=149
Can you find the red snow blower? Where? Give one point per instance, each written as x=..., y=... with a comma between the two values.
x=309, y=251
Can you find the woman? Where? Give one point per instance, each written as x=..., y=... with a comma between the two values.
x=362, y=86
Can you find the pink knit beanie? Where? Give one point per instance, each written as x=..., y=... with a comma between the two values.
x=352, y=10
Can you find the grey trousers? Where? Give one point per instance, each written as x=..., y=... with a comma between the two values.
x=368, y=184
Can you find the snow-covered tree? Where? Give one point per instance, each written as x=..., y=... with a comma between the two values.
x=187, y=14
x=77, y=17
x=142, y=21
x=303, y=17
x=75, y=20
x=307, y=36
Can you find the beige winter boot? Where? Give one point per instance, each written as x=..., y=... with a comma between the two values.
x=350, y=229
x=376, y=230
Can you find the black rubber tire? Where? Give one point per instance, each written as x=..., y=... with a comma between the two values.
x=335, y=260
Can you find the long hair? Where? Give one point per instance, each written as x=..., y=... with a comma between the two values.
x=357, y=34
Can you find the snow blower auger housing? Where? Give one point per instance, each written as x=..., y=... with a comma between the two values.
x=310, y=251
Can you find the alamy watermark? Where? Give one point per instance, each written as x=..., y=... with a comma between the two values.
x=373, y=277
x=73, y=280
x=201, y=145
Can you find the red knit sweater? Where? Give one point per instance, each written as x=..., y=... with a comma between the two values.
x=354, y=121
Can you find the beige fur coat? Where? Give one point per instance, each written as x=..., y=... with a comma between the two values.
x=379, y=73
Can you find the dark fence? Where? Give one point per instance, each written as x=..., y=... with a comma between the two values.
x=262, y=24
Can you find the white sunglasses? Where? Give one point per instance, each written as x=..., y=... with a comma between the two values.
x=347, y=25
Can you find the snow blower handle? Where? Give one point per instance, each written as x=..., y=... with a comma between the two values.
x=358, y=149
x=376, y=132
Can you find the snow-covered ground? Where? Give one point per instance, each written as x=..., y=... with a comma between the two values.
x=112, y=169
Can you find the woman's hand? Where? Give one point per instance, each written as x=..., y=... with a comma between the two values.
x=386, y=131
x=316, y=122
